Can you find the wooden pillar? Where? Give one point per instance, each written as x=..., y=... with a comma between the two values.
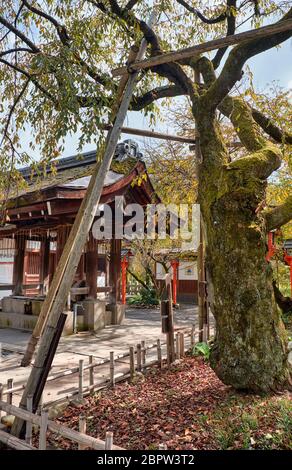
x=20, y=243
x=91, y=270
x=202, y=293
x=107, y=270
x=115, y=270
x=80, y=273
x=45, y=265
x=61, y=241
x=124, y=279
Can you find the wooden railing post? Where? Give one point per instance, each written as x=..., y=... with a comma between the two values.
x=139, y=357
x=143, y=355
x=1, y=396
x=205, y=333
x=91, y=371
x=132, y=363
x=80, y=382
x=43, y=430
x=192, y=336
x=112, y=369
x=28, y=430
x=182, y=344
x=177, y=346
x=82, y=429
x=108, y=441
x=159, y=354
x=10, y=394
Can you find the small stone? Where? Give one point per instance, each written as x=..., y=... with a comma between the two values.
x=8, y=420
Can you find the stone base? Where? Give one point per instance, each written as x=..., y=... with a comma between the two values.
x=68, y=327
x=94, y=314
x=24, y=305
x=117, y=313
x=19, y=321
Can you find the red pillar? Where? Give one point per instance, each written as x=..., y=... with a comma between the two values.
x=115, y=271
x=124, y=279
x=271, y=246
x=288, y=260
x=174, y=265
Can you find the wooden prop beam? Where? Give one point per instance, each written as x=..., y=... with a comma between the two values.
x=153, y=135
x=56, y=299
x=185, y=53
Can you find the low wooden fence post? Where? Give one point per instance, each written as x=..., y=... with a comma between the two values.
x=159, y=354
x=82, y=429
x=80, y=382
x=108, y=441
x=182, y=344
x=205, y=333
x=9, y=394
x=132, y=362
x=139, y=357
x=1, y=395
x=28, y=428
x=112, y=369
x=143, y=355
x=43, y=430
x=168, y=328
x=177, y=346
x=208, y=321
x=192, y=336
x=40, y=405
x=91, y=371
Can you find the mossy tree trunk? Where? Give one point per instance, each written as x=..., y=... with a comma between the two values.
x=249, y=351
x=250, y=348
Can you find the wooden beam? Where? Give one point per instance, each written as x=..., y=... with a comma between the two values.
x=185, y=53
x=153, y=135
x=56, y=299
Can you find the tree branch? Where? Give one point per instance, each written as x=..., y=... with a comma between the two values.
x=16, y=49
x=259, y=164
x=270, y=128
x=169, y=91
x=131, y=4
x=279, y=216
x=61, y=30
x=31, y=77
x=231, y=25
x=11, y=111
x=217, y=19
x=19, y=34
x=232, y=70
x=15, y=20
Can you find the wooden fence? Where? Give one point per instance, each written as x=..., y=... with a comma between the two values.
x=136, y=358
x=44, y=424
x=137, y=361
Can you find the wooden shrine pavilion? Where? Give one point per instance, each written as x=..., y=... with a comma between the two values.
x=38, y=221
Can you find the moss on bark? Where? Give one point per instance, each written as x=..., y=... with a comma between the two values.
x=250, y=348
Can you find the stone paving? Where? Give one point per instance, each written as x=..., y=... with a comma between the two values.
x=139, y=324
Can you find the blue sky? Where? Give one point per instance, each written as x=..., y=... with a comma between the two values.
x=275, y=64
